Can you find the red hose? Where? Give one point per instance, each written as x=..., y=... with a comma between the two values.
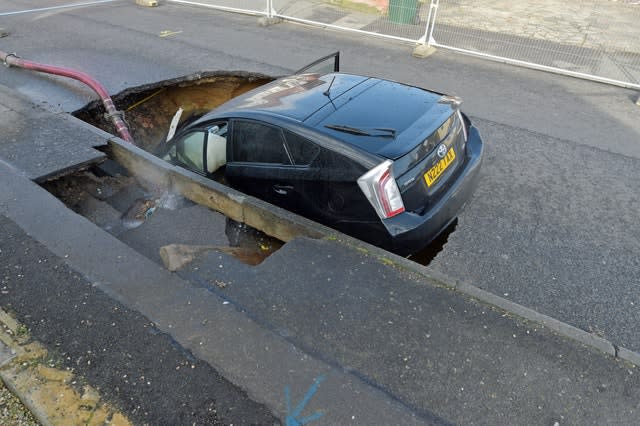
x=116, y=117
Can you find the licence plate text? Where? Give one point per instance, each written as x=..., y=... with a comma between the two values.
x=432, y=175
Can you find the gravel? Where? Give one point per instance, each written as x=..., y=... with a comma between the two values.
x=12, y=412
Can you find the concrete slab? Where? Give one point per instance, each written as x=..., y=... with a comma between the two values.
x=42, y=144
x=10, y=99
x=356, y=20
x=190, y=225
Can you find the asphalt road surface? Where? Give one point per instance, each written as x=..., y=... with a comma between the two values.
x=553, y=225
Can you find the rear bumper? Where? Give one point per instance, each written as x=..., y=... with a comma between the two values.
x=410, y=232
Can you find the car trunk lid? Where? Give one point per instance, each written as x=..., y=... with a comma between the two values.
x=428, y=170
x=390, y=118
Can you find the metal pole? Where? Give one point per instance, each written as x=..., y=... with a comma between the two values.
x=434, y=5
x=270, y=11
x=431, y=17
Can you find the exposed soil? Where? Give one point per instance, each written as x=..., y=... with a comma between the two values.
x=149, y=108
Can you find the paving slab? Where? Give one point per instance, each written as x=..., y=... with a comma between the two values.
x=30, y=142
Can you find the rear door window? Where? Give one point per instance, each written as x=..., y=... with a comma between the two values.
x=255, y=142
x=301, y=150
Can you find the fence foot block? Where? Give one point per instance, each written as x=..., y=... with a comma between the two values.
x=147, y=3
x=266, y=21
x=423, y=51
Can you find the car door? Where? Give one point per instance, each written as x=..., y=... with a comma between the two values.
x=188, y=150
x=201, y=150
x=324, y=65
x=261, y=164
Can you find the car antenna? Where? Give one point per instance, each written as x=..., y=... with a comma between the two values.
x=326, y=92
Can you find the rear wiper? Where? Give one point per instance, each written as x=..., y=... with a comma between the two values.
x=377, y=132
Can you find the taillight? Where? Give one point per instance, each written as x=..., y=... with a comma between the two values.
x=381, y=189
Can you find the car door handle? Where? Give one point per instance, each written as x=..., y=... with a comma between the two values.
x=282, y=189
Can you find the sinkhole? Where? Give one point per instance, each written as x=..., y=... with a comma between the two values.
x=149, y=110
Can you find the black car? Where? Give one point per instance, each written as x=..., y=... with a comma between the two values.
x=385, y=162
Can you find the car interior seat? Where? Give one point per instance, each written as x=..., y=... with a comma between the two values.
x=216, y=152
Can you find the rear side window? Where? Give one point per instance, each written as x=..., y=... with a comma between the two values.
x=302, y=151
x=256, y=142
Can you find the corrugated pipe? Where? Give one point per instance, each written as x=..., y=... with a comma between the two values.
x=116, y=117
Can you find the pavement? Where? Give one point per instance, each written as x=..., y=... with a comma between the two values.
x=593, y=39
x=386, y=341
x=598, y=25
x=117, y=317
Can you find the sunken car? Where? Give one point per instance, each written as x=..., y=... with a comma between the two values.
x=385, y=162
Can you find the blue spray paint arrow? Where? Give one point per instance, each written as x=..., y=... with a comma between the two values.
x=292, y=417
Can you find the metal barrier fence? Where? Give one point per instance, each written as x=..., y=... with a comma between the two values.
x=396, y=19
x=592, y=39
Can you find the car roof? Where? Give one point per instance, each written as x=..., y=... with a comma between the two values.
x=394, y=114
x=296, y=97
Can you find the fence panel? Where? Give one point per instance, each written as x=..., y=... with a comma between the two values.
x=595, y=39
x=397, y=19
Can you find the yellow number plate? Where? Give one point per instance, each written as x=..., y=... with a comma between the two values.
x=434, y=173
